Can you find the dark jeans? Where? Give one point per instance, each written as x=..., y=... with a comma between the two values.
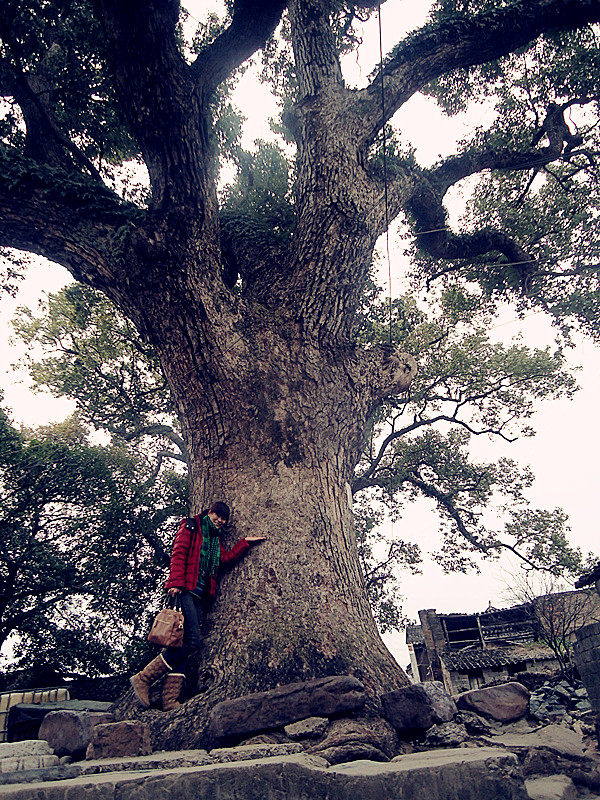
x=193, y=608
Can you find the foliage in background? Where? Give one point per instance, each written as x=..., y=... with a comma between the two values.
x=83, y=549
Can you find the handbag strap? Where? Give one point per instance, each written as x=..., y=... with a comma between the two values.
x=174, y=602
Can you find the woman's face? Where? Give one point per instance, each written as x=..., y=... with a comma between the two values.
x=216, y=519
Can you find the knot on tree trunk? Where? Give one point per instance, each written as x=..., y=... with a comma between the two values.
x=398, y=371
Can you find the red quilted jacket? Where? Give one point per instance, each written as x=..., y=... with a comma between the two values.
x=185, y=559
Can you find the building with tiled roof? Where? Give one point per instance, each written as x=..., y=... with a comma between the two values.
x=465, y=651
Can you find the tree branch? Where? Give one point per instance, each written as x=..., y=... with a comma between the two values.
x=443, y=47
x=70, y=220
x=252, y=24
x=155, y=430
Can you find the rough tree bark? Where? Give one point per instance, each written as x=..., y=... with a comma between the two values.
x=272, y=392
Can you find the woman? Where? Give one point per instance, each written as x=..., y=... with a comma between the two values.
x=197, y=556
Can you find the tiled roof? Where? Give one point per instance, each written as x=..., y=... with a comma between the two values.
x=473, y=659
x=589, y=578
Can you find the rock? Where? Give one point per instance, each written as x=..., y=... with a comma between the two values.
x=447, y=734
x=310, y=728
x=506, y=702
x=551, y=787
x=556, y=702
x=474, y=724
x=539, y=761
x=250, y=752
x=590, y=778
x=352, y=751
x=118, y=739
x=263, y=738
x=419, y=706
x=556, y=738
x=583, y=706
x=348, y=740
x=287, y=704
x=69, y=732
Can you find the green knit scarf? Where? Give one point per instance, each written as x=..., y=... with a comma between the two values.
x=210, y=553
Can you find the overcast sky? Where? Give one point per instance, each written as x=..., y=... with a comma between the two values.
x=564, y=453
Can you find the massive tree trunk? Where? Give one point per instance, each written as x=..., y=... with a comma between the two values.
x=273, y=424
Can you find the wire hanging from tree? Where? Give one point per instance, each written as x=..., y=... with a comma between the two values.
x=385, y=182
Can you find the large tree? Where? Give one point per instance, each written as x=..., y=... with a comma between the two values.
x=255, y=323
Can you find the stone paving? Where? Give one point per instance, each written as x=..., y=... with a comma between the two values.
x=458, y=774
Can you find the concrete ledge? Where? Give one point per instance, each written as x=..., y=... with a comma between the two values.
x=460, y=774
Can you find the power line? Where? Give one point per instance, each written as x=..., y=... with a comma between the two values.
x=385, y=181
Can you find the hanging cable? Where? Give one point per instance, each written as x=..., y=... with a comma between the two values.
x=385, y=183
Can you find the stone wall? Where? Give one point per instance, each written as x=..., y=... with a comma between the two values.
x=587, y=657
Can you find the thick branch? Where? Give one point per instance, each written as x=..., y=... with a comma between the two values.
x=156, y=430
x=252, y=24
x=158, y=94
x=71, y=221
x=426, y=207
x=465, y=42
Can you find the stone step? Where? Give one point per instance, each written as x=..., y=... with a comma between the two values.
x=551, y=787
x=19, y=763
x=31, y=754
x=458, y=774
x=29, y=747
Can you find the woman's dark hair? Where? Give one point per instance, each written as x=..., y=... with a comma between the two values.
x=221, y=509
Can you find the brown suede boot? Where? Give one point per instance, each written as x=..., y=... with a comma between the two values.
x=171, y=688
x=142, y=682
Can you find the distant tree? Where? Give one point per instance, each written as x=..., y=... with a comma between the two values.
x=93, y=355
x=559, y=612
x=81, y=550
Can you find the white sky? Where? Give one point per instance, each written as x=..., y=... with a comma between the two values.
x=563, y=455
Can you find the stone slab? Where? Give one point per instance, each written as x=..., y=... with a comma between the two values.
x=551, y=787
x=250, y=752
x=17, y=763
x=477, y=774
x=283, y=705
x=557, y=738
x=157, y=761
x=28, y=747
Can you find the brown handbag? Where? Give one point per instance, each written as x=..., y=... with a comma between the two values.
x=167, y=628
